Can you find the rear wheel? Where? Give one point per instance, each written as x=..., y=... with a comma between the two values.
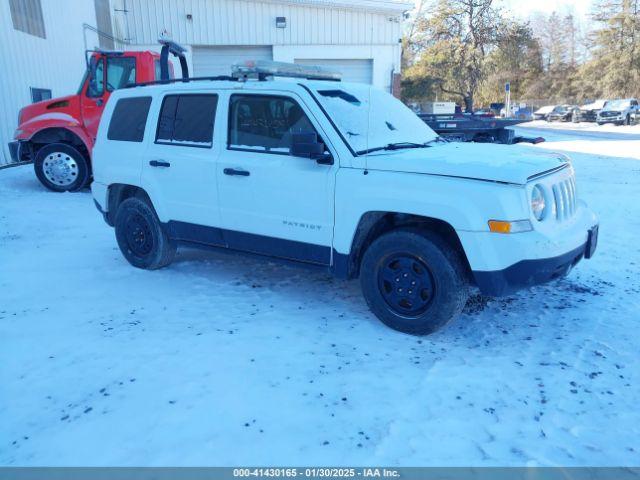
x=413, y=281
x=140, y=236
x=61, y=167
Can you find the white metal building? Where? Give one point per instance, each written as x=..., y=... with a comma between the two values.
x=42, y=55
x=360, y=38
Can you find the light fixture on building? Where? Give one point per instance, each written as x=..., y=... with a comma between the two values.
x=281, y=22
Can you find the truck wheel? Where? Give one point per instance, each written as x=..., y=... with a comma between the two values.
x=413, y=281
x=140, y=236
x=61, y=167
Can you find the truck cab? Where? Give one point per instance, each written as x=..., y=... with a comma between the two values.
x=339, y=176
x=58, y=135
x=619, y=112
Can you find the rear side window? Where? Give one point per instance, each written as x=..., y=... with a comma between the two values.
x=187, y=120
x=129, y=119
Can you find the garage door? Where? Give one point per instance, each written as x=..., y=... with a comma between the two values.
x=353, y=70
x=212, y=61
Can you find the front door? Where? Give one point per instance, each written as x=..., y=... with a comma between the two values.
x=270, y=201
x=120, y=71
x=179, y=166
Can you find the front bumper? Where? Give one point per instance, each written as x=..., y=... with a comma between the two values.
x=14, y=151
x=20, y=151
x=527, y=273
x=611, y=119
x=502, y=264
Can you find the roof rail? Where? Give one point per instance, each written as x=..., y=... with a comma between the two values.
x=182, y=80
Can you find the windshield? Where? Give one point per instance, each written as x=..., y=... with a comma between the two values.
x=615, y=104
x=369, y=118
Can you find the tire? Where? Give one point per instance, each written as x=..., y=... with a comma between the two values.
x=421, y=260
x=61, y=167
x=140, y=236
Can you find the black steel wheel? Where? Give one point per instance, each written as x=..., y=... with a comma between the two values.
x=406, y=284
x=414, y=281
x=141, y=237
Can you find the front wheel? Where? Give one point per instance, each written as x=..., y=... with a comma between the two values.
x=413, y=281
x=140, y=236
x=61, y=167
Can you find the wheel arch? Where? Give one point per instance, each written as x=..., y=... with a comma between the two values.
x=374, y=224
x=118, y=193
x=50, y=135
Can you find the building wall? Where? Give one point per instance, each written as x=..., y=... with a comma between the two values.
x=55, y=62
x=337, y=30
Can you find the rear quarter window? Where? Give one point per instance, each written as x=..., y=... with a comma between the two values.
x=129, y=119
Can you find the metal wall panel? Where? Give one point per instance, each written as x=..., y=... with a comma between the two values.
x=212, y=61
x=252, y=22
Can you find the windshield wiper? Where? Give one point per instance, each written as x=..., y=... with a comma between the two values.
x=395, y=146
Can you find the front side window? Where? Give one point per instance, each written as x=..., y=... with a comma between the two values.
x=187, y=120
x=129, y=119
x=121, y=71
x=265, y=123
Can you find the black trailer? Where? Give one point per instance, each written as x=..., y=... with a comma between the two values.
x=472, y=128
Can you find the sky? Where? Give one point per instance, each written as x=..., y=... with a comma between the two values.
x=524, y=8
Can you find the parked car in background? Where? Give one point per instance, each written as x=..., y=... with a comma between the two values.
x=561, y=113
x=619, y=112
x=588, y=112
x=543, y=113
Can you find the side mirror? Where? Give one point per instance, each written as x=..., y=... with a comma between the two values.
x=93, y=84
x=307, y=145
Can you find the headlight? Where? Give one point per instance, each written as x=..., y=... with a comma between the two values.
x=538, y=205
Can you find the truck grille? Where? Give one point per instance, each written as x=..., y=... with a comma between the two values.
x=564, y=194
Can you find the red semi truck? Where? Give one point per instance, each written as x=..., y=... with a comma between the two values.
x=57, y=135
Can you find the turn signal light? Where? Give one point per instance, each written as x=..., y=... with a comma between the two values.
x=519, y=226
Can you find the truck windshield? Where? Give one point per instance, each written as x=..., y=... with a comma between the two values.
x=370, y=119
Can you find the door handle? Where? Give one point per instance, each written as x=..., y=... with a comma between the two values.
x=159, y=163
x=99, y=102
x=233, y=171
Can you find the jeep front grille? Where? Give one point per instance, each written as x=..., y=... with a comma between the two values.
x=564, y=194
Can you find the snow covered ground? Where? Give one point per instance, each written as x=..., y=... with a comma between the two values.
x=226, y=360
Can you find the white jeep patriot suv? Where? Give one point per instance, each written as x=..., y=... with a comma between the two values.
x=338, y=175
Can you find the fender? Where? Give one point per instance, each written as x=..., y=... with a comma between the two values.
x=50, y=121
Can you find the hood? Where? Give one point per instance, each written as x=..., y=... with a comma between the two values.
x=54, y=106
x=481, y=161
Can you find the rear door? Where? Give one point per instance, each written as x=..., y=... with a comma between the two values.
x=179, y=171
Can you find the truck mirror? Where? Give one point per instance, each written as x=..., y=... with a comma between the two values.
x=306, y=145
x=93, y=89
